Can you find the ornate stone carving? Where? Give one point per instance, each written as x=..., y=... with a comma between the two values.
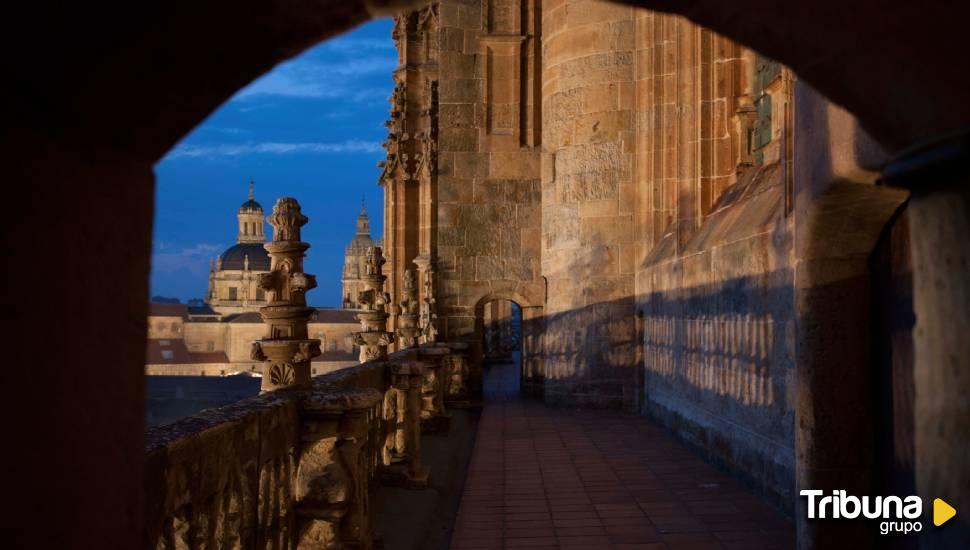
x=433, y=417
x=456, y=386
x=287, y=351
x=402, y=412
x=427, y=157
x=427, y=315
x=335, y=470
x=373, y=338
x=408, y=330
x=281, y=375
x=396, y=163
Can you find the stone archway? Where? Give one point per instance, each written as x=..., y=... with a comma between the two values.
x=531, y=366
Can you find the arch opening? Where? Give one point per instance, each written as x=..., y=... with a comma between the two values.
x=501, y=341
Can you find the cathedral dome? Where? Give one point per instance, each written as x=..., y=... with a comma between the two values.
x=361, y=241
x=234, y=257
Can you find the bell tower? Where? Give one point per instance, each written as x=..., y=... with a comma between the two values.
x=250, y=217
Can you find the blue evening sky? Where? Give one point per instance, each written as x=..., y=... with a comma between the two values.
x=310, y=129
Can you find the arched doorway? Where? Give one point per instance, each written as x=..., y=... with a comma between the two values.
x=501, y=349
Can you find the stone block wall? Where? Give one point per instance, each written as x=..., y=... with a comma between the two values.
x=714, y=283
x=718, y=334
x=589, y=247
x=488, y=194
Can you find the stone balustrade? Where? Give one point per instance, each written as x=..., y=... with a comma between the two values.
x=295, y=468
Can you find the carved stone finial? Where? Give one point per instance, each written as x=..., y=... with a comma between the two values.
x=287, y=219
x=373, y=338
x=287, y=351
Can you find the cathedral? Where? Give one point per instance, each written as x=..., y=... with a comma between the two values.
x=214, y=339
x=355, y=260
x=232, y=276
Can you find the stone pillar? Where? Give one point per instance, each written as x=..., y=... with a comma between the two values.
x=287, y=351
x=408, y=330
x=588, y=257
x=374, y=338
x=939, y=225
x=940, y=233
x=403, y=463
x=433, y=418
x=428, y=316
x=457, y=376
x=333, y=474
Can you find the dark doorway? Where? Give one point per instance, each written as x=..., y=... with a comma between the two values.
x=502, y=349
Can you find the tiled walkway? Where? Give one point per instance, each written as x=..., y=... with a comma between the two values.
x=557, y=478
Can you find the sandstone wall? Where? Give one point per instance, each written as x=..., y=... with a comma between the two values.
x=714, y=287
x=198, y=336
x=589, y=248
x=488, y=196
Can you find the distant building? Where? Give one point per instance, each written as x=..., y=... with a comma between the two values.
x=197, y=341
x=232, y=277
x=213, y=337
x=355, y=260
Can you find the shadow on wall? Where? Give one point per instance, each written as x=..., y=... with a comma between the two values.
x=589, y=354
x=717, y=368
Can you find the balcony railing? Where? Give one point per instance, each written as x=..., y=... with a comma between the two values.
x=296, y=468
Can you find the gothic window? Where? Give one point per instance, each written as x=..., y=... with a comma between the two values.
x=175, y=327
x=210, y=346
x=232, y=293
x=260, y=295
x=245, y=229
x=333, y=345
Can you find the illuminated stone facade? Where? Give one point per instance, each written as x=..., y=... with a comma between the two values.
x=627, y=178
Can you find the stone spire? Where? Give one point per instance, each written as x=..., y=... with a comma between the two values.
x=374, y=338
x=287, y=351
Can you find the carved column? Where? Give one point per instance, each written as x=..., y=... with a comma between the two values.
x=433, y=418
x=408, y=330
x=287, y=351
x=374, y=338
x=403, y=461
x=332, y=479
x=458, y=389
x=428, y=316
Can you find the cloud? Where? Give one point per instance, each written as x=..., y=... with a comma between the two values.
x=226, y=130
x=194, y=259
x=318, y=80
x=272, y=148
x=355, y=45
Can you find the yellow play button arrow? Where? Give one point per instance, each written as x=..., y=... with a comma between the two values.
x=942, y=512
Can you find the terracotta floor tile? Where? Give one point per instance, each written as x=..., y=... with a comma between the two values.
x=555, y=478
